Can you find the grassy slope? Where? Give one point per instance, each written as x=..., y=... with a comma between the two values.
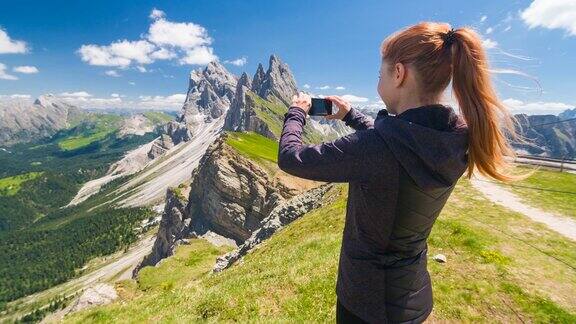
x=559, y=202
x=272, y=113
x=501, y=267
x=97, y=127
x=158, y=117
x=10, y=186
x=254, y=146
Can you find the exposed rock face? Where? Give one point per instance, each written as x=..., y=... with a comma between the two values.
x=551, y=136
x=172, y=133
x=568, y=114
x=99, y=294
x=282, y=215
x=23, y=121
x=276, y=85
x=160, y=146
x=210, y=93
x=258, y=79
x=236, y=116
x=278, y=81
x=135, y=125
x=230, y=194
x=173, y=231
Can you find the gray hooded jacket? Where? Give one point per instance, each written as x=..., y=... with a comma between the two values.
x=401, y=170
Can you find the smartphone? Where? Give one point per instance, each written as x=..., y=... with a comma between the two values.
x=320, y=107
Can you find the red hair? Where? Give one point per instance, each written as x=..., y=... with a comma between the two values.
x=463, y=60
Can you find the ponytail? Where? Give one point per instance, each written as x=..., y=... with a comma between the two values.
x=489, y=121
x=440, y=54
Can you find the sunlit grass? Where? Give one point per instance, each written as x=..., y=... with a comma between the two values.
x=10, y=186
x=253, y=145
x=501, y=267
x=558, y=196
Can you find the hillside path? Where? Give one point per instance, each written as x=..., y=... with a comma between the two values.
x=503, y=197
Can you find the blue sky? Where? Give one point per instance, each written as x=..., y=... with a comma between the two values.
x=124, y=54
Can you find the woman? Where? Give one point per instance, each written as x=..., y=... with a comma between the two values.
x=401, y=168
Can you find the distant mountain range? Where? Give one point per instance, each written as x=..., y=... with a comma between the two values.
x=550, y=135
x=211, y=170
x=23, y=121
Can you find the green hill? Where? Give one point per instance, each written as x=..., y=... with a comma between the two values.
x=41, y=243
x=500, y=266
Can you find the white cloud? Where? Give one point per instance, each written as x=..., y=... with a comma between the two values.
x=551, y=14
x=238, y=62
x=132, y=83
x=163, y=54
x=77, y=94
x=141, y=69
x=535, y=108
x=4, y=75
x=85, y=100
x=174, y=101
x=483, y=18
x=324, y=87
x=200, y=55
x=112, y=73
x=306, y=86
x=188, y=42
x=489, y=43
x=489, y=30
x=340, y=88
x=354, y=99
x=10, y=46
x=157, y=14
x=120, y=53
x=184, y=35
x=507, y=28
x=16, y=96
x=26, y=69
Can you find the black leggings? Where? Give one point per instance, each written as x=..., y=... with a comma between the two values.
x=344, y=316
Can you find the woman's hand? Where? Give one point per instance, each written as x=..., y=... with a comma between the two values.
x=343, y=107
x=302, y=100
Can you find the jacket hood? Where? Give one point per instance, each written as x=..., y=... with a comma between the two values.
x=430, y=143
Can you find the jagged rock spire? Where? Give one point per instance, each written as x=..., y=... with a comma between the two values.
x=276, y=84
x=278, y=81
x=210, y=94
x=258, y=79
x=235, y=116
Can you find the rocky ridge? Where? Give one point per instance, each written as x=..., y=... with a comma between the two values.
x=230, y=197
x=282, y=215
x=549, y=135
x=276, y=86
x=23, y=121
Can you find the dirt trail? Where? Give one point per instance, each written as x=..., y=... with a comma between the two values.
x=561, y=224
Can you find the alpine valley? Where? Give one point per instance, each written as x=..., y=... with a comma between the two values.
x=91, y=198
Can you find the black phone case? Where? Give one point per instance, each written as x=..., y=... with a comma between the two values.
x=320, y=107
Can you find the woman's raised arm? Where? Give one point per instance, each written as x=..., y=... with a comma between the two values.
x=352, y=117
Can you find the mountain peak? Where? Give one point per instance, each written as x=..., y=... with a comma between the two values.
x=210, y=93
x=244, y=81
x=278, y=81
x=50, y=100
x=215, y=67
